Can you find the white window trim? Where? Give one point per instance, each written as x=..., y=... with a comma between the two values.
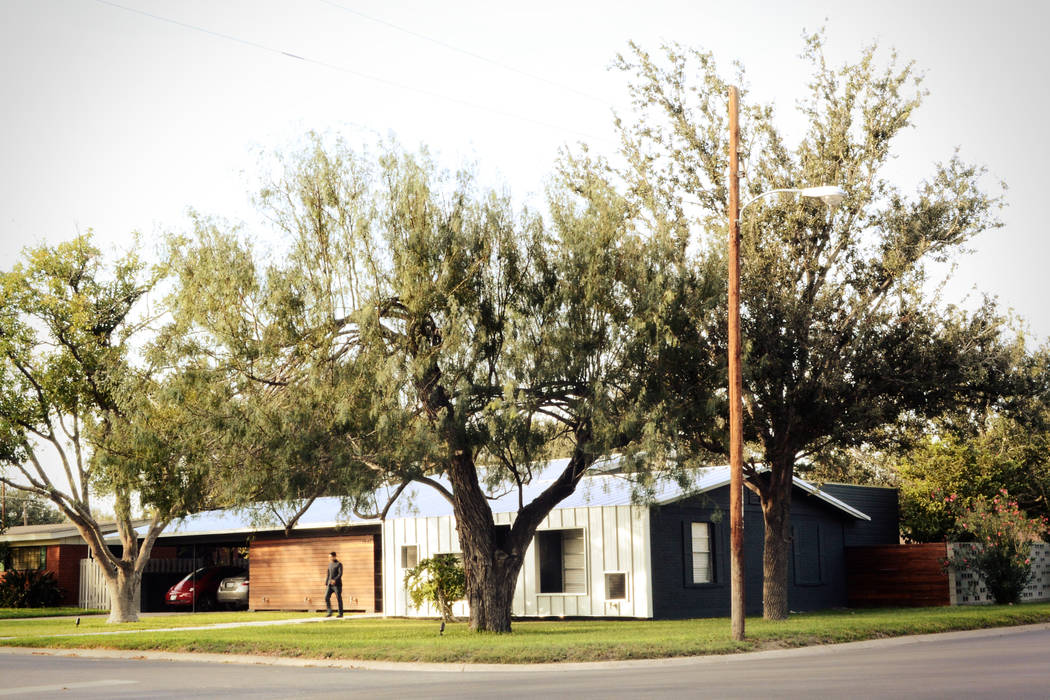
x=586, y=563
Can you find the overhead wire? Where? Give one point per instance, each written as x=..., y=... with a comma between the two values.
x=351, y=71
x=466, y=52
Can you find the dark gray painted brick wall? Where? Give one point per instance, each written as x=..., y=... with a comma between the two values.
x=675, y=597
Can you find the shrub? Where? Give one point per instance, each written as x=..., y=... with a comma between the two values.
x=999, y=537
x=29, y=589
x=439, y=581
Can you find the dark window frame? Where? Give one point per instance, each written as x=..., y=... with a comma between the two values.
x=41, y=553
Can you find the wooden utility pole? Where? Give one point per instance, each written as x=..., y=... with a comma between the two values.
x=736, y=408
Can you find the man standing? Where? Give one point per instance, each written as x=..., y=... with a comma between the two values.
x=334, y=584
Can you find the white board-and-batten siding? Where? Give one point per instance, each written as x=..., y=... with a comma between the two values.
x=616, y=540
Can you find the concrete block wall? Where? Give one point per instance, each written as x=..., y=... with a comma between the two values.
x=966, y=588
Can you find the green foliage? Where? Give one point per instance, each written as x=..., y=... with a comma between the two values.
x=1005, y=454
x=29, y=589
x=80, y=381
x=439, y=581
x=841, y=338
x=36, y=509
x=999, y=537
x=417, y=325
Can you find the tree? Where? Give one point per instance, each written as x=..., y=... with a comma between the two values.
x=840, y=335
x=1008, y=453
x=27, y=509
x=446, y=334
x=75, y=382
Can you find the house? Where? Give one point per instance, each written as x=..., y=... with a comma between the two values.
x=57, y=548
x=601, y=553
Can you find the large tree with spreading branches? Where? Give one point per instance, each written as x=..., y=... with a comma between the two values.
x=81, y=414
x=414, y=325
x=841, y=334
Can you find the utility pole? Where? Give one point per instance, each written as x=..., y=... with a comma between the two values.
x=736, y=409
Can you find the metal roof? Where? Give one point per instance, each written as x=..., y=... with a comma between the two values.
x=605, y=487
x=49, y=532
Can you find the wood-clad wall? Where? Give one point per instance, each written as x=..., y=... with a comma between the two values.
x=289, y=573
x=897, y=575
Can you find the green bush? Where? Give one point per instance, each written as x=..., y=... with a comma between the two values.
x=29, y=589
x=439, y=581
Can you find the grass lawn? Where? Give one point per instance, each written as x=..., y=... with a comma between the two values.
x=531, y=642
x=21, y=613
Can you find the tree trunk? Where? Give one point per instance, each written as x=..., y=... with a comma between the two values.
x=490, y=593
x=776, y=513
x=125, y=590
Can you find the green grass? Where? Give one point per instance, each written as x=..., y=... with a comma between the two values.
x=531, y=642
x=21, y=613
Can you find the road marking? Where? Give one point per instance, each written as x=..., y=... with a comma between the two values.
x=63, y=686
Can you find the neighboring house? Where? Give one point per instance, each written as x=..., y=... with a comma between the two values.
x=57, y=548
x=598, y=554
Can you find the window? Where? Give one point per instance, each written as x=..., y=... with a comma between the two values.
x=562, y=561
x=28, y=558
x=409, y=556
x=700, y=537
x=807, y=553
x=616, y=586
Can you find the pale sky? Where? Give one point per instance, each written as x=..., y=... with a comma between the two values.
x=116, y=120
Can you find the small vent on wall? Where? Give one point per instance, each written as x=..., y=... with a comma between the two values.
x=616, y=586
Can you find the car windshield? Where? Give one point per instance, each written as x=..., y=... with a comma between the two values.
x=194, y=576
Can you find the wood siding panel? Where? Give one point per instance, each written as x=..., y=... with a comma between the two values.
x=289, y=573
x=897, y=576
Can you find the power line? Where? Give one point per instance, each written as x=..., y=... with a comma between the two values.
x=349, y=71
x=466, y=52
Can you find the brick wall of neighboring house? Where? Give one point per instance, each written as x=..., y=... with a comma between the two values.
x=168, y=552
x=63, y=560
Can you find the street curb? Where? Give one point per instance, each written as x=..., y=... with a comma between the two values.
x=741, y=657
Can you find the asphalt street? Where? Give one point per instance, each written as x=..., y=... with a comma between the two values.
x=1006, y=663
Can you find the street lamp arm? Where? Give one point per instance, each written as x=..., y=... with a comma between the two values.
x=830, y=194
x=783, y=190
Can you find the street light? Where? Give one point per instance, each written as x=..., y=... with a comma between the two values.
x=832, y=196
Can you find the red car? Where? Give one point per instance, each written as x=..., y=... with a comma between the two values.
x=198, y=590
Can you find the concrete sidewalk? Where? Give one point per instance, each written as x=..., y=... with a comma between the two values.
x=670, y=663
x=215, y=626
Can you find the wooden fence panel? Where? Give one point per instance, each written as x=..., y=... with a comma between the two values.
x=93, y=591
x=905, y=575
x=289, y=573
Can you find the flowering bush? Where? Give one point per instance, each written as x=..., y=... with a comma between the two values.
x=998, y=542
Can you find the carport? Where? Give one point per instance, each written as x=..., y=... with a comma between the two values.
x=286, y=568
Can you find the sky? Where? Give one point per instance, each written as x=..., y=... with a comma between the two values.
x=121, y=116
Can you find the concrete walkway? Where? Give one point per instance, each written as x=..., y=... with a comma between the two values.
x=216, y=626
